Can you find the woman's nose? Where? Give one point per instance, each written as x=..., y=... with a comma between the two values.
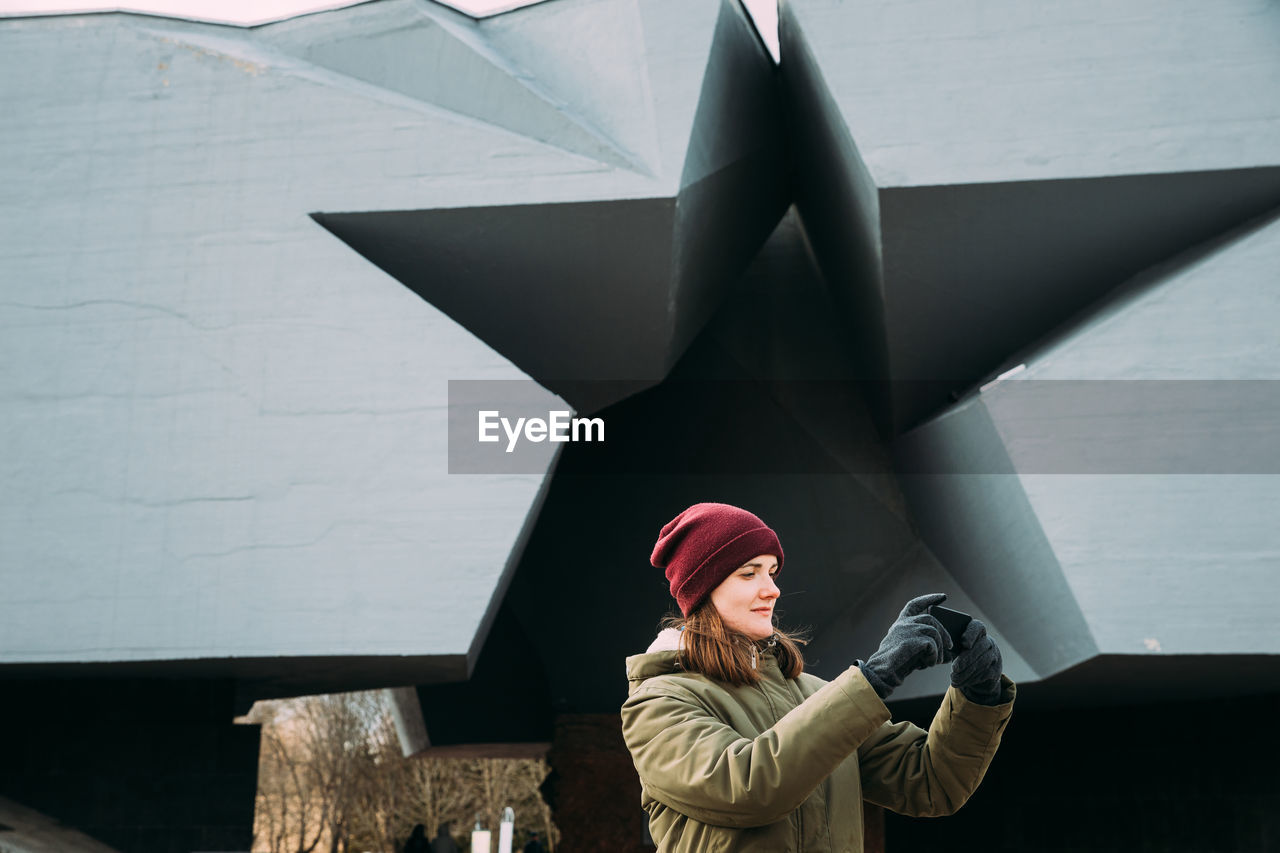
x=770, y=590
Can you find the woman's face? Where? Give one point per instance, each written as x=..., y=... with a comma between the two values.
x=745, y=599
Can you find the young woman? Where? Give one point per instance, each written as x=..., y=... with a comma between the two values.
x=738, y=749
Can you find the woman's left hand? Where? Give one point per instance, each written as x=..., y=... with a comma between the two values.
x=976, y=670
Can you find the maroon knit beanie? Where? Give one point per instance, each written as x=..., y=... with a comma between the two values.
x=703, y=545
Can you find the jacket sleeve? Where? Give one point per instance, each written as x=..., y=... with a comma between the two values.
x=928, y=774
x=700, y=766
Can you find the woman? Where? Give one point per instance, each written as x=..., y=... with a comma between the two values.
x=738, y=749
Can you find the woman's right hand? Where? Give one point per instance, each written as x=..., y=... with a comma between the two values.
x=915, y=641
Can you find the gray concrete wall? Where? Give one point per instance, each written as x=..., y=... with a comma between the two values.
x=1014, y=166
x=1183, y=366
x=224, y=430
x=227, y=428
x=942, y=93
x=1132, y=464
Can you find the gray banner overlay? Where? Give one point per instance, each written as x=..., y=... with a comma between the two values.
x=766, y=427
x=493, y=426
x=1137, y=426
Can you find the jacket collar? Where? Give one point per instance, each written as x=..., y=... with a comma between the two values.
x=662, y=658
x=649, y=664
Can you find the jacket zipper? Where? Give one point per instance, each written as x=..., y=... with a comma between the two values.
x=774, y=712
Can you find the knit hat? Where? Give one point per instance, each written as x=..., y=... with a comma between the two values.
x=703, y=545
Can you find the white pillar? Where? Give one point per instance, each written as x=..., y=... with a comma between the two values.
x=506, y=830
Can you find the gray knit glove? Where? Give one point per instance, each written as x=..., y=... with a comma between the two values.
x=915, y=641
x=976, y=671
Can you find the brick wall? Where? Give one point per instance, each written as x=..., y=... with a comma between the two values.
x=593, y=788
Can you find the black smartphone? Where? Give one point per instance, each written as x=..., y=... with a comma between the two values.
x=953, y=620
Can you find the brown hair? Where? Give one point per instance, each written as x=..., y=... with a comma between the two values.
x=714, y=649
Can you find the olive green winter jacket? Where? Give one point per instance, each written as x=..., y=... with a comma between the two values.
x=785, y=765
